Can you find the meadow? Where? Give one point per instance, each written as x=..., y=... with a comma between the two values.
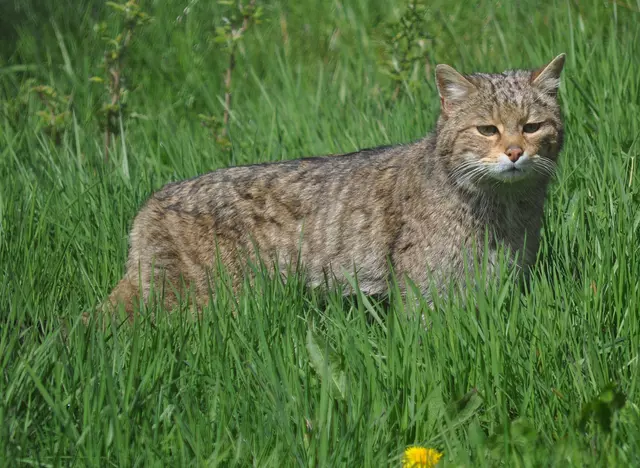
x=545, y=376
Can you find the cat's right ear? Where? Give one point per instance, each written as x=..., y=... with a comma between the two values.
x=547, y=78
x=452, y=86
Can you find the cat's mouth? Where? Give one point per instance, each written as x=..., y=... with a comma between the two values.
x=509, y=172
x=506, y=170
x=515, y=171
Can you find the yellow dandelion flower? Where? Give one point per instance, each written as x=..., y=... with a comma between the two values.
x=420, y=457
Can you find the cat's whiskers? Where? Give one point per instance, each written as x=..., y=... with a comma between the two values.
x=462, y=169
x=546, y=165
x=466, y=174
x=473, y=176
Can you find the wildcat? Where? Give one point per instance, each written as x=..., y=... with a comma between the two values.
x=419, y=209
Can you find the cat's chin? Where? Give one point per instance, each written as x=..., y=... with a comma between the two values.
x=511, y=175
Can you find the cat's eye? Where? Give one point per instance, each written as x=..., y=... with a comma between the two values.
x=487, y=130
x=531, y=127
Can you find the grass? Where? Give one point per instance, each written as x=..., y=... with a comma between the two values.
x=297, y=377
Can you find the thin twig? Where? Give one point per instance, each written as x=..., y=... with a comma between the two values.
x=229, y=71
x=115, y=85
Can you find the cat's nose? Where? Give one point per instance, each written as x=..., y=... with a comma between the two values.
x=514, y=152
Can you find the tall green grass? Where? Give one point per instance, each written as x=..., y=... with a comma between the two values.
x=299, y=377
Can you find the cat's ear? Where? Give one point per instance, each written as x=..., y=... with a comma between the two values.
x=547, y=78
x=452, y=86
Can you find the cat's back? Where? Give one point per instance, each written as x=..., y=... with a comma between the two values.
x=301, y=181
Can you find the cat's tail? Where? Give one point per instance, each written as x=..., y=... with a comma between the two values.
x=126, y=293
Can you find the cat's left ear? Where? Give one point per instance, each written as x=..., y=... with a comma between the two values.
x=547, y=78
x=453, y=88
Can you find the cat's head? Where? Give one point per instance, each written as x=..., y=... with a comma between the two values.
x=500, y=128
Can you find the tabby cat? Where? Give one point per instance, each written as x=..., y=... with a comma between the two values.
x=420, y=210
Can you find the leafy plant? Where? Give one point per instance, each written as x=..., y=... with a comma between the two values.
x=230, y=35
x=407, y=45
x=603, y=408
x=116, y=89
x=327, y=363
x=56, y=115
